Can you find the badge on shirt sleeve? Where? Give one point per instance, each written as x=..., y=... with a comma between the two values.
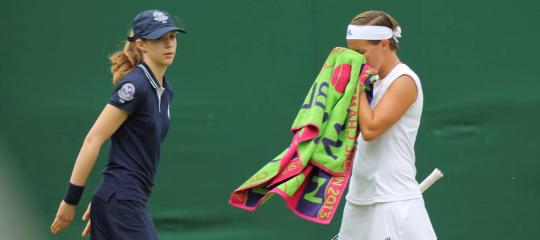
x=126, y=93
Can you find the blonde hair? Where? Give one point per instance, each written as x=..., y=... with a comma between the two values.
x=377, y=18
x=122, y=62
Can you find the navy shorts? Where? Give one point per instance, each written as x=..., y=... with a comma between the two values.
x=114, y=219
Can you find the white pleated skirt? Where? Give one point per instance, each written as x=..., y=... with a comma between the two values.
x=399, y=220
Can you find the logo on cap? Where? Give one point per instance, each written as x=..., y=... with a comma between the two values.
x=160, y=17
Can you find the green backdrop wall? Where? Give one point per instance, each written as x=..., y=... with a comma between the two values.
x=240, y=75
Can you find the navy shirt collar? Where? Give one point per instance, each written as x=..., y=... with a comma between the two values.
x=150, y=75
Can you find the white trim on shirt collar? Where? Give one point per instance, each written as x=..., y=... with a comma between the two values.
x=148, y=76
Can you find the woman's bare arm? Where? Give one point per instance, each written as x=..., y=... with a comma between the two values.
x=106, y=124
x=400, y=95
x=110, y=119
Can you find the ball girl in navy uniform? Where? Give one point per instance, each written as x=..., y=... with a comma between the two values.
x=136, y=119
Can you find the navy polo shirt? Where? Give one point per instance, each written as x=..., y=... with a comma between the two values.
x=135, y=147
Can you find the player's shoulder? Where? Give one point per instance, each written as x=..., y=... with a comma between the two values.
x=135, y=77
x=135, y=83
x=406, y=70
x=405, y=79
x=403, y=82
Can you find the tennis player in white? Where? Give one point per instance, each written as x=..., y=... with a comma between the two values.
x=384, y=201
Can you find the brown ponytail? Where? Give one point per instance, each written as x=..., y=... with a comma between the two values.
x=122, y=62
x=377, y=18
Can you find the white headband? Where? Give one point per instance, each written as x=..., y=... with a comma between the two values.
x=366, y=32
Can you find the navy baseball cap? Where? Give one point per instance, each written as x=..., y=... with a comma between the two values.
x=153, y=24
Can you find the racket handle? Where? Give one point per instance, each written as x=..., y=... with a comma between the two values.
x=432, y=178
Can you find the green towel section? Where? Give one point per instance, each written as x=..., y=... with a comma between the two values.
x=312, y=174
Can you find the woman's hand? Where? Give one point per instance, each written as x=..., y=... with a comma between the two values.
x=86, y=217
x=64, y=217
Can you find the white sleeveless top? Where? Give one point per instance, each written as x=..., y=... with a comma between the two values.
x=384, y=169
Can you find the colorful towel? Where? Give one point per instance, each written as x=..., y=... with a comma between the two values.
x=312, y=174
